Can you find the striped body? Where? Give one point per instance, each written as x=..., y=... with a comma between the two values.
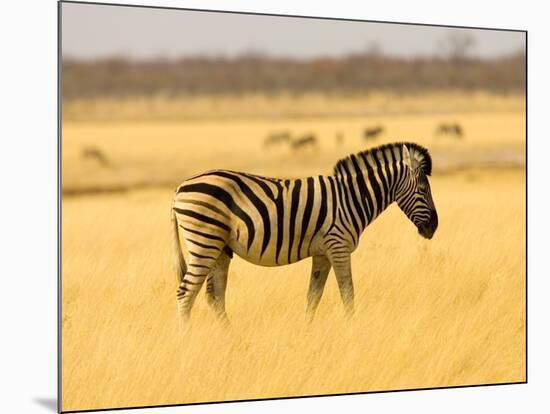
x=268, y=222
x=274, y=222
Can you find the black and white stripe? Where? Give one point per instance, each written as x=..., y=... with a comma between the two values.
x=274, y=222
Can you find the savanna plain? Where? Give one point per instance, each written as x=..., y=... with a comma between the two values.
x=429, y=313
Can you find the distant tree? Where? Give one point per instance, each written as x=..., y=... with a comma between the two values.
x=374, y=50
x=456, y=46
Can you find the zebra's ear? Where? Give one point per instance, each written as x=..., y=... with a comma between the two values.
x=407, y=157
x=410, y=159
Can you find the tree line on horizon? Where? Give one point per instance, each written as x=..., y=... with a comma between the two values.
x=120, y=77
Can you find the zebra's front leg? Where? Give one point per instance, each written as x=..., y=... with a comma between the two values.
x=342, y=269
x=215, y=286
x=319, y=272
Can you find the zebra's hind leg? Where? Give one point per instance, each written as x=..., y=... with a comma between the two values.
x=198, y=268
x=215, y=285
x=319, y=272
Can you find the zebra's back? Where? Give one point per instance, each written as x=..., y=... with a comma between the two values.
x=266, y=221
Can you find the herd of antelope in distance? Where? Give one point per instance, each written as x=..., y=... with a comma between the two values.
x=451, y=130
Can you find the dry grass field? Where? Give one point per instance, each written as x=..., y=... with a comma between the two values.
x=284, y=106
x=448, y=311
x=145, y=152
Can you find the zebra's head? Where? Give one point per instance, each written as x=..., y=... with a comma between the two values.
x=414, y=195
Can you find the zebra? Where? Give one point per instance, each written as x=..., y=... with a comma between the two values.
x=97, y=154
x=277, y=138
x=304, y=141
x=451, y=129
x=372, y=133
x=275, y=222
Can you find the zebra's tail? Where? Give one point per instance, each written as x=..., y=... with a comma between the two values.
x=179, y=262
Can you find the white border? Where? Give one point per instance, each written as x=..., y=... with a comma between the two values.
x=28, y=31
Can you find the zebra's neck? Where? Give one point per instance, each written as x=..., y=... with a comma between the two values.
x=367, y=185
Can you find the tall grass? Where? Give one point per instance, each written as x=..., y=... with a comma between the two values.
x=450, y=311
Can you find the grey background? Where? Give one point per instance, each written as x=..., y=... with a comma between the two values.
x=92, y=31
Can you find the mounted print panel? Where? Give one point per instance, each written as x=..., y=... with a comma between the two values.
x=262, y=206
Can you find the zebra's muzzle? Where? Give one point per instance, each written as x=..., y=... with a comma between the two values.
x=428, y=228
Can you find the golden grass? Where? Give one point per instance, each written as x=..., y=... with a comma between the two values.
x=285, y=106
x=164, y=153
x=449, y=311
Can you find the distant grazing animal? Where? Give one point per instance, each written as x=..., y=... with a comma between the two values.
x=274, y=222
x=450, y=129
x=372, y=133
x=304, y=141
x=277, y=138
x=339, y=138
x=96, y=154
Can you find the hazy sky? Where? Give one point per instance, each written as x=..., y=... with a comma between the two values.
x=91, y=31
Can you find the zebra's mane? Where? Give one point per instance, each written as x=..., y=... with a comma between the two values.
x=418, y=152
